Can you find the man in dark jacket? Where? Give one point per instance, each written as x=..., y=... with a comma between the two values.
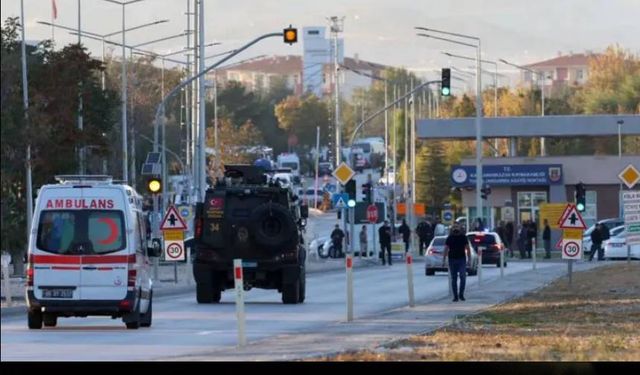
x=546, y=238
x=336, y=237
x=508, y=236
x=384, y=235
x=596, y=241
x=532, y=233
x=424, y=230
x=456, y=249
x=406, y=234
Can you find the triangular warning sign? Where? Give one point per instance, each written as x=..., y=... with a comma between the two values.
x=172, y=220
x=340, y=203
x=571, y=219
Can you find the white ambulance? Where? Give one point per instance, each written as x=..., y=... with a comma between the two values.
x=88, y=253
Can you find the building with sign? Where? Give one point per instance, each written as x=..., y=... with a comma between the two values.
x=525, y=183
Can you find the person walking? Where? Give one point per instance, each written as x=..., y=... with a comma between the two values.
x=384, y=235
x=532, y=232
x=522, y=238
x=596, y=241
x=336, y=237
x=456, y=249
x=604, y=229
x=363, y=241
x=424, y=230
x=508, y=236
x=406, y=234
x=546, y=239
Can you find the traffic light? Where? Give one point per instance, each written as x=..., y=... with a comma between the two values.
x=366, y=192
x=486, y=191
x=154, y=185
x=445, y=89
x=581, y=197
x=350, y=188
x=290, y=35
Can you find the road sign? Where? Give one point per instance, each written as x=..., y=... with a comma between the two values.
x=571, y=218
x=447, y=216
x=630, y=176
x=343, y=173
x=172, y=220
x=575, y=234
x=508, y=213
x=340, y=200
x=559, y=244
x=631, y=200
x=372, y=213
x=552, y=212
x=173, y=235
x=186, y=212
x=174, y=251
x=571, y=249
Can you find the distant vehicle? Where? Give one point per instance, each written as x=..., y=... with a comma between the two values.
x=491, y=244
x=616, y=246
x=372, y=150
x=291, y=161
x=610, y=223
x=325, y=169
x=435, y=252
x=309, y=195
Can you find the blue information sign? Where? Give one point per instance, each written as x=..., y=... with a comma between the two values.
x=508, y=175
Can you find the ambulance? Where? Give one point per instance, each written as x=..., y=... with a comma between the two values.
x=89, y=253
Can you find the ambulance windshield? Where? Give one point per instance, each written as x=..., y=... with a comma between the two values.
x=81, y=231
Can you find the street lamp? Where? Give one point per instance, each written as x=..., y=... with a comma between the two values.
x=543, y=149
x=478, y=121
x=620, y=123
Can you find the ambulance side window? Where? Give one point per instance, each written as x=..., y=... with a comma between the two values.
x=140, y=233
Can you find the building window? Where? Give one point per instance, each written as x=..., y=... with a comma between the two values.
x=579, y=74
x=528, y=205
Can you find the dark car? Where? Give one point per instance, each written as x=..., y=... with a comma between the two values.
x=245, y=217
x=490, y=244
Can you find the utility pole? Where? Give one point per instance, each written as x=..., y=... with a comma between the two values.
x=337, y=27
x=25, y=103
x=81, y=153
x=201, y=108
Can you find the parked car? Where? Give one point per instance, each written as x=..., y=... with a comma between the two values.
x=491, y=244
x=616, y=246
x=325, y=169
x=610, y=223
x=308, y=196
x=435, y=252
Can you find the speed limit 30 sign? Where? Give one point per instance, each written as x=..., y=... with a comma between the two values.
x=571, y=249
x=174, y=251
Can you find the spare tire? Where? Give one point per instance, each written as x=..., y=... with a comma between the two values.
x=273, y=227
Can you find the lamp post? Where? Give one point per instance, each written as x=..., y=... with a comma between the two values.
x=478, y=121
x=25, y=103
x=620, y=205
x=495, y=85
x=543, y=149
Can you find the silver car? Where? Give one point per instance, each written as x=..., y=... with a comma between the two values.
x=616, y=246
x=435, y=252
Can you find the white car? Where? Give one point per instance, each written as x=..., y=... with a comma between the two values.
x=610, y=223
x=616, y=247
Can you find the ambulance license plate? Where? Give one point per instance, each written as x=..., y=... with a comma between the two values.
x=57, y=293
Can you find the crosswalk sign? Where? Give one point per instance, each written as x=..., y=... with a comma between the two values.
x=340, y=200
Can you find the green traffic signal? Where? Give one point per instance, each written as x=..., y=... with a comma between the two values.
x=446, y=91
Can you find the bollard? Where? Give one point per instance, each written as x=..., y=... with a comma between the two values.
x=412, y=302
x=349, y=267
x=533, y=253
x=239, y=284
x=189, y=273
x=501, y=263
x=479, y=265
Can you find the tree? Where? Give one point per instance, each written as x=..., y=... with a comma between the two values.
x=300, y=117
x=432, y=175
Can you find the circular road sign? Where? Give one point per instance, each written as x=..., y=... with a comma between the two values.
x=447, y=216
x=372, y=213
x=174, y=250
x=571, y=249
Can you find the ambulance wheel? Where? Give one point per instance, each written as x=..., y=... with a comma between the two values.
x=49, y=320
x=145, y=319
x=34, y=319
x=132, y=321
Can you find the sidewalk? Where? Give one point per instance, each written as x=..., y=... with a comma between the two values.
x=165, y=285
x=372, y=332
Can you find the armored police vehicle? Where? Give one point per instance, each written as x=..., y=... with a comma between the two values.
x=251, y=217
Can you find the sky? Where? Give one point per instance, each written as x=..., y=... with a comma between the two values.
x=381, y=31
